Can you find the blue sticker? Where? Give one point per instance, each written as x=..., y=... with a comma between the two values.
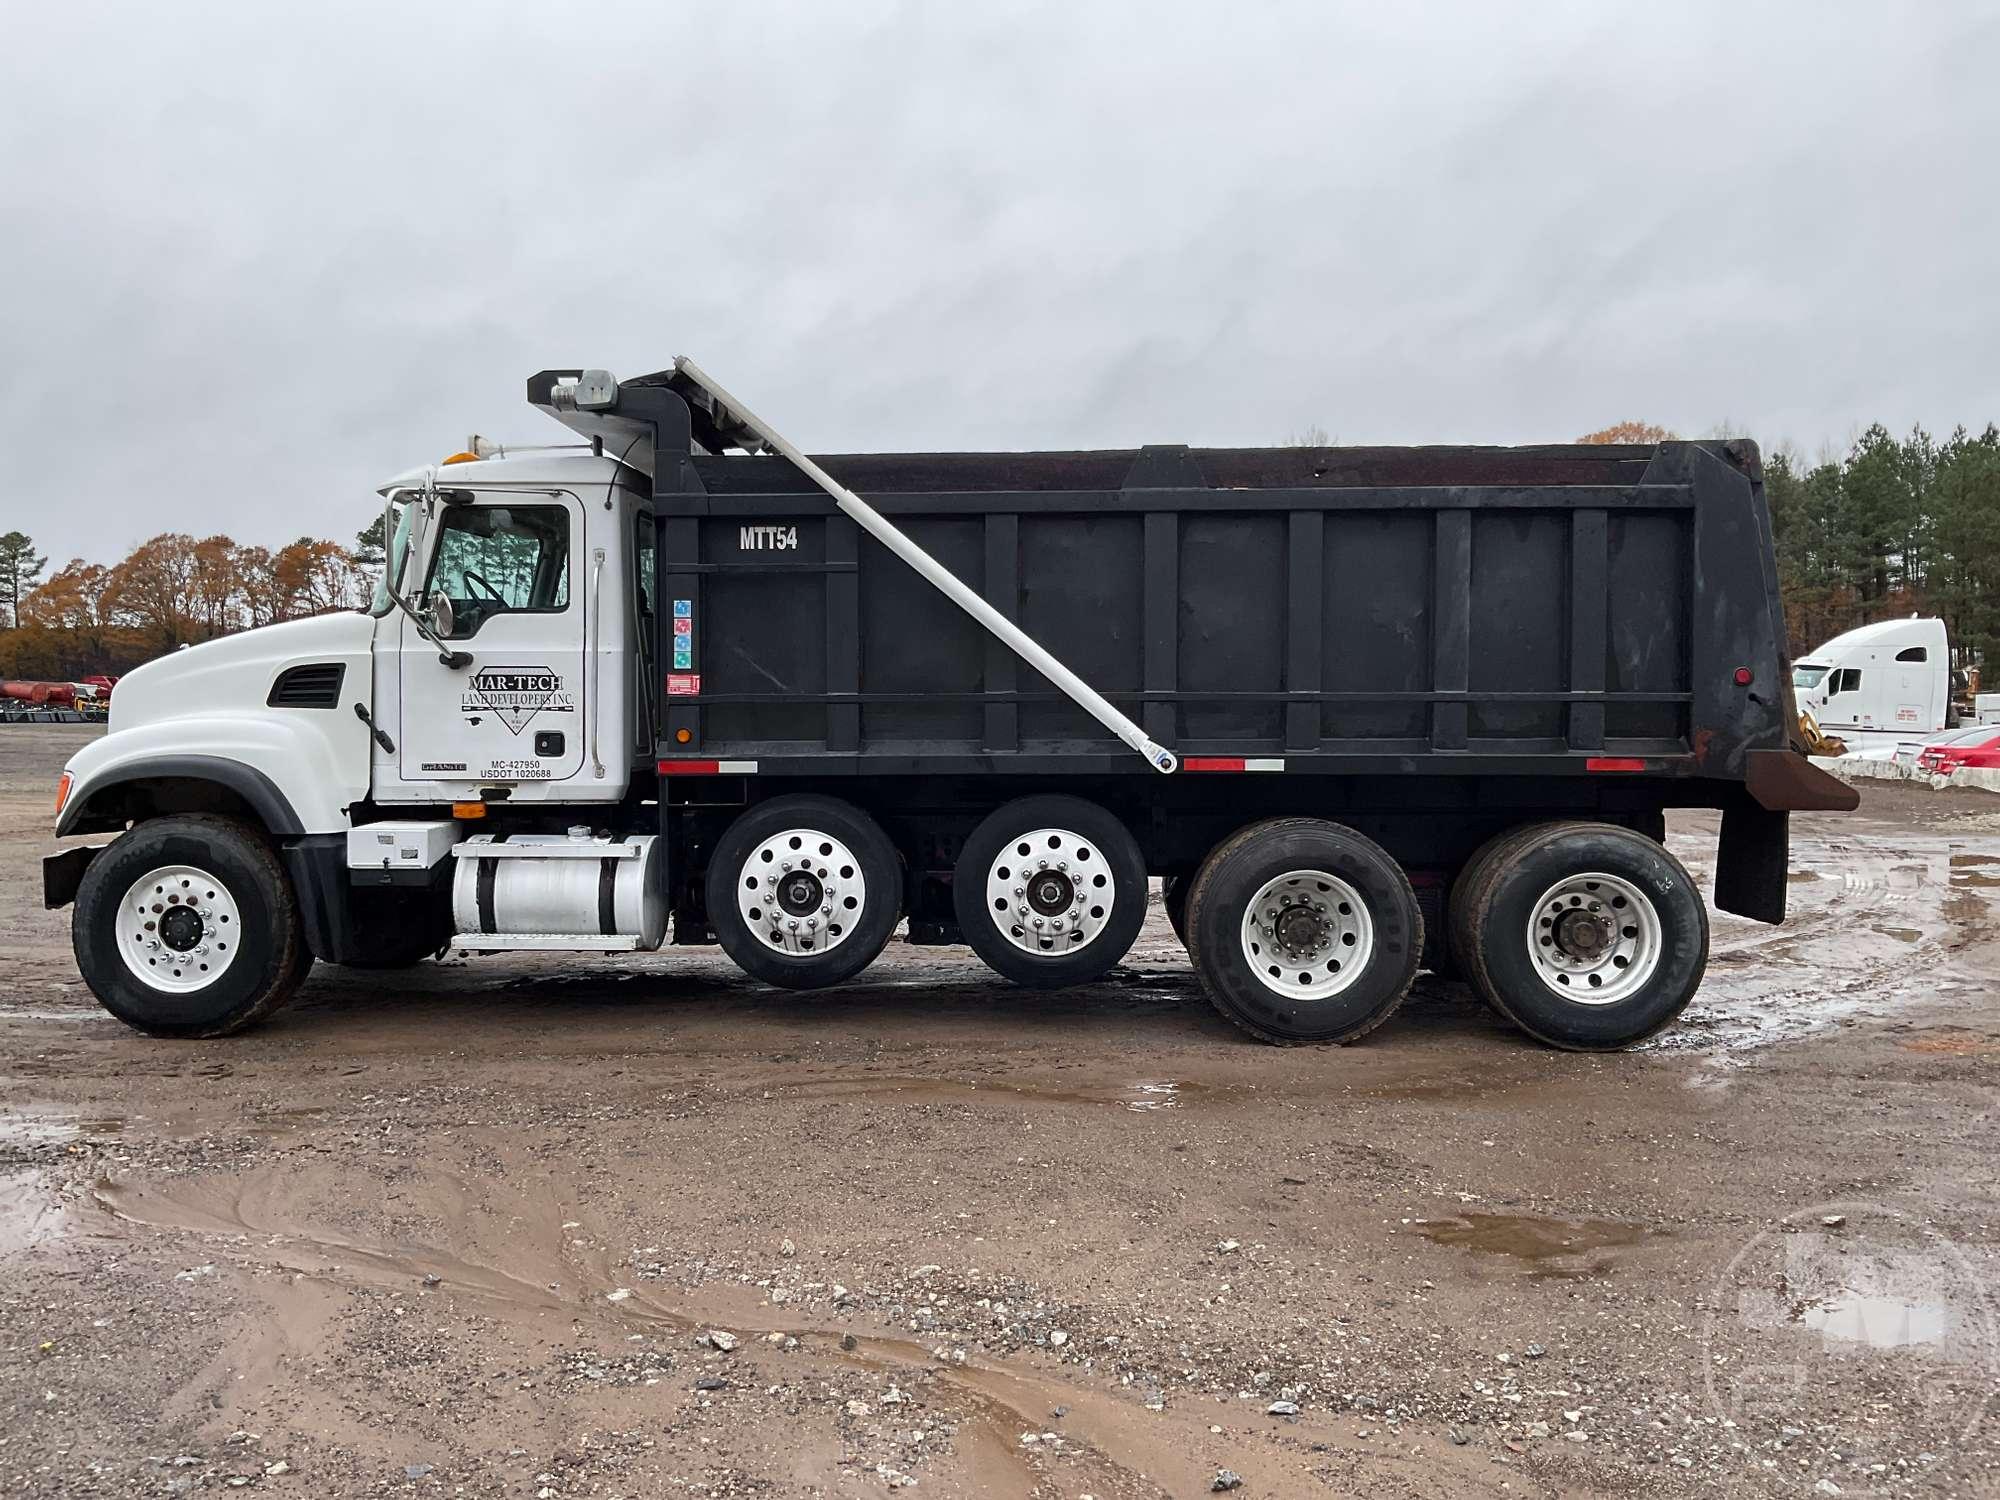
x=683, y=609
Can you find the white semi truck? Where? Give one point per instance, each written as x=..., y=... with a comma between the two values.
x=1360, y=709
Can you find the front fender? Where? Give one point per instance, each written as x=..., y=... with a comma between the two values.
x=298, y=774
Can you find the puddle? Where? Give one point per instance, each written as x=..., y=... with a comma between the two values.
x=1145, y=1097
x=1550, y=1248
x=24, y=1129
x=1902, y=934
x=28, y=1215
x=1805, y=877
x=1881, y=1322
x=1969, y=871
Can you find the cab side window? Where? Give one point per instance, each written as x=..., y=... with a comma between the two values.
x=1846, y=680
x=500, y=559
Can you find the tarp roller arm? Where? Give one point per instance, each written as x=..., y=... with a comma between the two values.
x=1011, y=635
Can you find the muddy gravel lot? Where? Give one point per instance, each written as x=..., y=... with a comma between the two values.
x=628, y=1227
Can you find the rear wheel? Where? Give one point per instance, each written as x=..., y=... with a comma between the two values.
x=1586, y=935
x=1304, y=931
x=804, y=891
x=1050, y=891
x=187, y=927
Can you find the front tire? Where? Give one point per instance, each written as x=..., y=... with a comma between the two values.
x=1304, y=931
x=804, y=891
x=187, y=927
x=1587, y=936
x=1050, y=891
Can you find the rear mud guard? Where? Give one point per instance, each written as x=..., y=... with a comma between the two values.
x=1752, y=861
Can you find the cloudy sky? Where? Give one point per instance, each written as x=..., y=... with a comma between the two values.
x=259, y=257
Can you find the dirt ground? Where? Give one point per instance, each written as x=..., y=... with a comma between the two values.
x=636, y=1227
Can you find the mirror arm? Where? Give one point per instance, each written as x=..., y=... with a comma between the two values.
x=456, y=661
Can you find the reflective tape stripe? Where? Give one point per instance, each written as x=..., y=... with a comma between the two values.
x=1231, y=763
x=708, y=768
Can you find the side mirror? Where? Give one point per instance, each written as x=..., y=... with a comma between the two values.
x=443, y=619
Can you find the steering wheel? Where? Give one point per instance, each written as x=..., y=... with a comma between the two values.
x=491, y=592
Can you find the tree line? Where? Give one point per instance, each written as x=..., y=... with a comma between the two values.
x=170, y=591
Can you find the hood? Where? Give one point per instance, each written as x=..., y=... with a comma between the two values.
x=237, y=672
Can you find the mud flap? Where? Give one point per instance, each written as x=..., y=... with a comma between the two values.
x=1752, y=861
x=62, y=874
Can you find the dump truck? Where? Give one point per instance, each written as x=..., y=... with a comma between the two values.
x=1360, y=711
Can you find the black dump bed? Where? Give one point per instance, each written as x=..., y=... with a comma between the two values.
x=1346, y=609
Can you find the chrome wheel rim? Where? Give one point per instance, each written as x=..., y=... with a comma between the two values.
x=801, y=892
x=1595, y=939
x=1307, y=934
x=179, y=929
x=1050, y=892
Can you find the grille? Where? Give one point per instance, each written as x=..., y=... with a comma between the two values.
x=313, y=686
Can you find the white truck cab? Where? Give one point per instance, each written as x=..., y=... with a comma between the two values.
x=1891, y=679
x=506, y=657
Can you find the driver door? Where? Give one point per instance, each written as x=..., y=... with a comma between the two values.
x=510, y=569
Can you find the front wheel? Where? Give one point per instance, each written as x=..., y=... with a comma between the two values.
x=804, y=891
x=1586, y=935
x=187, y=927
x=1304, y=931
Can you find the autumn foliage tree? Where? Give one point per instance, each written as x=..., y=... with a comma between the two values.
x=1628, y=432
x=172, y=590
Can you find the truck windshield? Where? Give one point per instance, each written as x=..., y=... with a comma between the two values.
x=1807, y=675
x=394, y=556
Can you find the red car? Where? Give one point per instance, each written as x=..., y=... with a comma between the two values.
x=1978, y=751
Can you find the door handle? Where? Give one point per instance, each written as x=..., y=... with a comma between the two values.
x=595, y=676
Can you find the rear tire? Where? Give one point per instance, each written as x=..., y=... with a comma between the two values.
x=1174, y=897
x=1304, y=931
x=187, y=927
x=1050, y=891
x=1587, y=936
x=804, y=891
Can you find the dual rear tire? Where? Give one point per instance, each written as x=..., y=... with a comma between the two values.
x=1587, y=936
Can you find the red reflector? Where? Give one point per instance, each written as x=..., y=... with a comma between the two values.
x=1614, y=763
x=1212, y=763
x=1744, y=676
x=690, y=767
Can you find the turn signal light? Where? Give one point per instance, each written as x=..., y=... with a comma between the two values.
x=463, y=458
x=62, y=792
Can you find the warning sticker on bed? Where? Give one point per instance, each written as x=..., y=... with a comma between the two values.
x=683, y=684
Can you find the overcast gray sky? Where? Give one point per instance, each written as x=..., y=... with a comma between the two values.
x=258, y=258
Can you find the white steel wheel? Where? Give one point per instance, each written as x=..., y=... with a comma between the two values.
x=801, y=892
x=1051, y=891
x=1594, y=938
x=1307, y=934
x=178, y=929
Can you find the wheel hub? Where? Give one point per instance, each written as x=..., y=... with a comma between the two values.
x=1595, y=938
x=1301, y=930
x=1582, y=934
x=178, y=929
x=181, y=928
x=801, y=892
x=1307, y=934
x=1050, y=891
